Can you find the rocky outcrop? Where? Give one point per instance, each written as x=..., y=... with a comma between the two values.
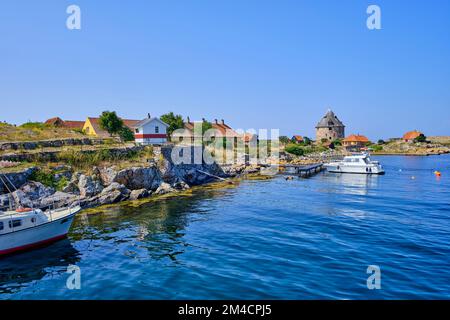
x=139, y=194
x=31, y=194
x=89, y=187
x=134, y=178
x=164, y=188
x=58, y=199
x=15, y=180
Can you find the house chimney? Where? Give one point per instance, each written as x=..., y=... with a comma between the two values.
x=215, y=120
x=149, y=115
x=223, y=122
x=188, y=120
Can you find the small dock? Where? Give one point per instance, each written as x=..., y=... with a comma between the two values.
x=303, y=171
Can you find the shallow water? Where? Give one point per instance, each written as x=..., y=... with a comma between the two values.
x=261, y=239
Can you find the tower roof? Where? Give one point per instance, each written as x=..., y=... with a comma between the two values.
x=329, y=120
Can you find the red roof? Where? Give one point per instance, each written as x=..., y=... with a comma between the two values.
x=298, y=138
x=73, y=124
x=58, y=122
x=356, y=138
x=411, y=135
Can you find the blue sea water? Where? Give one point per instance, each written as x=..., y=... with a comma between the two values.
x=261, y=239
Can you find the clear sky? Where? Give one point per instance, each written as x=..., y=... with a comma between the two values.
x=255, y=63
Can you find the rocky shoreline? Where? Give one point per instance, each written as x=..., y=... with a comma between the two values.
x=109, y=185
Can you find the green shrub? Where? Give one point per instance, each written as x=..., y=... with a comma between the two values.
x=376, y=147
x=46, y=178
x=294, y=149
x=421, y=138
x=126, y=134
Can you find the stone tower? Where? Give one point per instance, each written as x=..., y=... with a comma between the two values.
x=330, y=128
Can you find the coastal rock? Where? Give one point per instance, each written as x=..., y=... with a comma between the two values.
x=164, y=188
x=71, y=187
x=139, y=194
x=89, y=187
x=113, y=193
x=58, y=199
x=107, y=175
x=30, y=195
x=16, y=179
x=181, y=185
x=136, y=178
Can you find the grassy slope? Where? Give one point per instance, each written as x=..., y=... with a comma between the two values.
x=34, y=132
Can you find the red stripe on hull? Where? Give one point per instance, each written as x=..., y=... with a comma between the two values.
x=32, y=245
x=149, y=136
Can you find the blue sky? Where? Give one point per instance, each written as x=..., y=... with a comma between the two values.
x=257, y=64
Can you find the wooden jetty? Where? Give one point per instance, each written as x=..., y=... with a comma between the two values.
x=301, y=170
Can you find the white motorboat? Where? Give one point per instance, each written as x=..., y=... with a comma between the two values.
x=358, y=163
x=26, y=228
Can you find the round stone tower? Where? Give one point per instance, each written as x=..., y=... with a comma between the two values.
x=330, y=128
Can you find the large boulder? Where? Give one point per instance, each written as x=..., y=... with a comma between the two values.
x=139, y=194
x=16, y=179
x=31, y=194
x=114, y=193
x=58, y=199
x=89, y=187
x=164, y=188
x=135, y=178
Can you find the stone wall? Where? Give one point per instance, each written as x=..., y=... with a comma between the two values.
x=330, y=135
x=32, y=145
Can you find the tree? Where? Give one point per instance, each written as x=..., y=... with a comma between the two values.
x=126, y=134
x=206, y=126
x=284, y=140
x=420, y=138
x=174, y=121
x=381, y=141
x=110, y=122
x=306, y=141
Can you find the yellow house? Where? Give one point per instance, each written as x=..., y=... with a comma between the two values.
x=92, y=126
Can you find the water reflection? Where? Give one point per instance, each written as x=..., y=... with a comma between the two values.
x=354, y=184
x=16, y=271
x=153, y=230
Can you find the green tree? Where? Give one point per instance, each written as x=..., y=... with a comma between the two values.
x=381, y=141
x=284, y=140
x=421, y=138
x=110, y=122
x=126, y=134
x=206, y=126
x=307, y=141
x=175, y=121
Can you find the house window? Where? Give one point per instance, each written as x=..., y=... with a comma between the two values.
x=15, y=223
x=88, y=130
x=156, y=129
x=137, y=130
x=1, y=225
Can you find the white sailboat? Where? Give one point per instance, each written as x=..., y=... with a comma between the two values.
x=26, y=228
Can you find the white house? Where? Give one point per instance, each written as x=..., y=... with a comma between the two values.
x=150, y=131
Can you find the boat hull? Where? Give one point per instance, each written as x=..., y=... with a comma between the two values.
x=38, y=236
x=354, y=169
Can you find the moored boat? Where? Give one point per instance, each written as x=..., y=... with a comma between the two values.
x=358, y=163
x=24, y=229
